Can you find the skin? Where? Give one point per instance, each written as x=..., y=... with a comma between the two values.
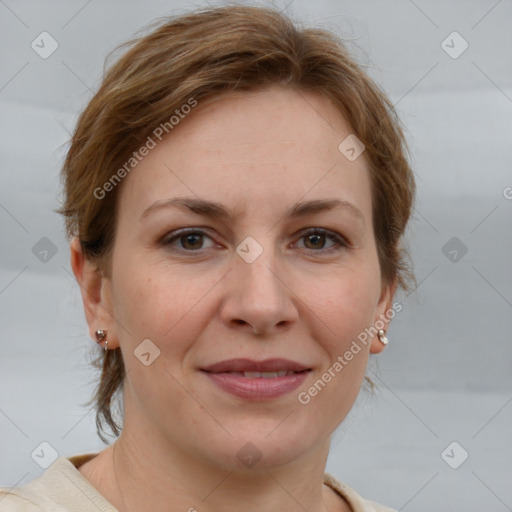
x=302, y=299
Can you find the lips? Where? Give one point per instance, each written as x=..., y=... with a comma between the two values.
x=257, y=380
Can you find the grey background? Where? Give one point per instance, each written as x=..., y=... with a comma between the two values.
x=446, y=374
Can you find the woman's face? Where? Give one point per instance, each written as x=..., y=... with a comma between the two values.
x=254, y=279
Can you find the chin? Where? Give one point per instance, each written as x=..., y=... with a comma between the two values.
x=262, y=448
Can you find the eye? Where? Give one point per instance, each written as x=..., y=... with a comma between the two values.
x=316, y=238
x=188, y=239
x=192, y=240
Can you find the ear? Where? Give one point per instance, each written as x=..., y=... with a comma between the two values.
x=382, y=316
x=96, y=292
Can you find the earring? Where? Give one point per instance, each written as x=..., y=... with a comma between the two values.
x=100, y=336
x=382, y=337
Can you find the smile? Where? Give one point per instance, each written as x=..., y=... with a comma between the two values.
x=257, y=380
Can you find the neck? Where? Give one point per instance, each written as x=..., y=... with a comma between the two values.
x=148, y=477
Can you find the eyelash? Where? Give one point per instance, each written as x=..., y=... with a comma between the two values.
x=338, y=240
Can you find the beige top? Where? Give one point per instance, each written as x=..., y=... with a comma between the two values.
x=62, y=488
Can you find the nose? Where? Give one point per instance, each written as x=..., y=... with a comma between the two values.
x=258, y=298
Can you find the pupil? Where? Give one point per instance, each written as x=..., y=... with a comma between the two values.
x=315, y=238
x=191, y=237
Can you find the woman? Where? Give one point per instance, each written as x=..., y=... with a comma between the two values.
x=235, y=196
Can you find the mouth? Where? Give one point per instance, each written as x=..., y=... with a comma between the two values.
x=269, y=368
x=257, y=380
x=262, y=375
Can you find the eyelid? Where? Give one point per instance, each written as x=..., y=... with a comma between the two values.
x=327, y=232
x=339, y=240
x=178, y=233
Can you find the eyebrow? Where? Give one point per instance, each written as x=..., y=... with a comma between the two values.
x=217, y=211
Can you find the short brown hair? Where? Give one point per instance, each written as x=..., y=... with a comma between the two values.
x=200, y=55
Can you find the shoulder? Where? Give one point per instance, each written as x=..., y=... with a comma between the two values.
x=356, y=502
x=26, y=499
x=61, y=488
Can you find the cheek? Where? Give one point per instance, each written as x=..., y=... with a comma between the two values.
x=164, y=307
x=159, y=303
x=345, y=306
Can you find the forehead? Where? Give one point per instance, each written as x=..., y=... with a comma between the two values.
x=263, y=149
